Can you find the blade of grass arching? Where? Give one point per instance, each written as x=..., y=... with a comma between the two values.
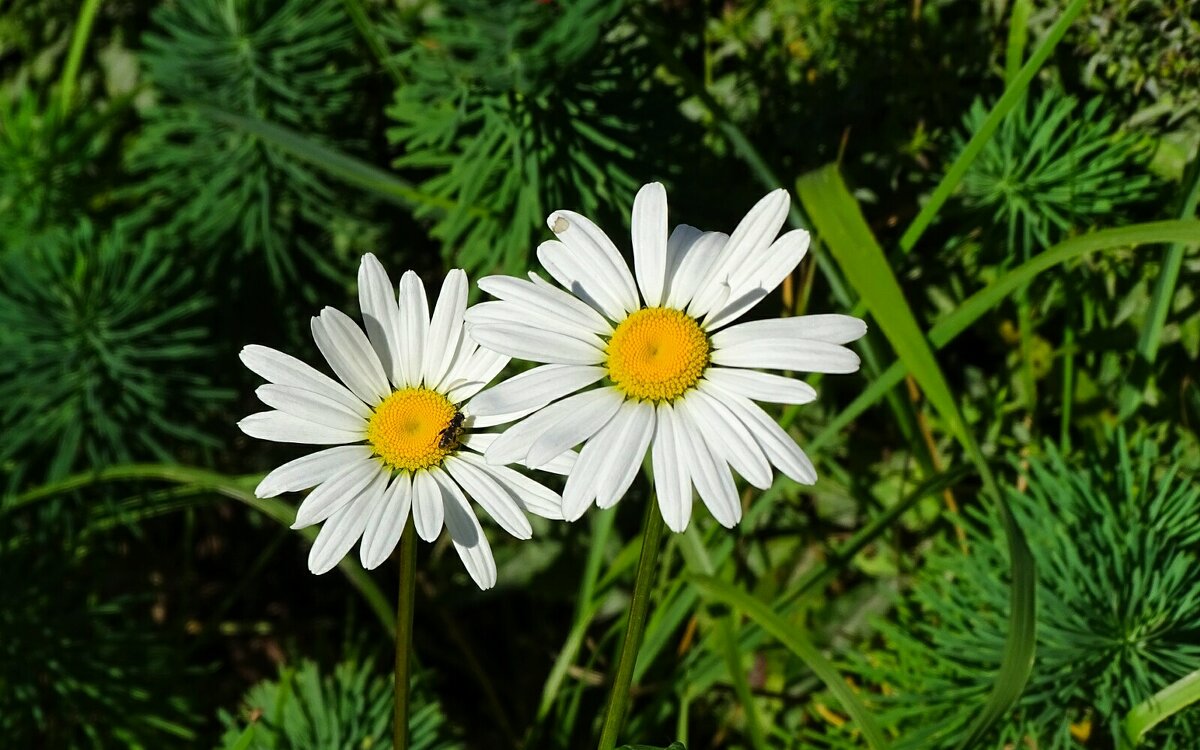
x=79, y=39
x=1012, y=95
x=787, y=634
x=1161, y=706
x=343, y=166
x=1164, y=293
x=978, y=304
x=367, y=29
x=1018, y=36
x=696, y=559
x=236, y=488
x=838, y=218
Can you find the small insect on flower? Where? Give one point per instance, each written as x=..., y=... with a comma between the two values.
x=449, y=436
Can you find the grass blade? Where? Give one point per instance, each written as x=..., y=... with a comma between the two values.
x=838, y=218
x=1012, y=96
x=714, y=588
x=1161, y=706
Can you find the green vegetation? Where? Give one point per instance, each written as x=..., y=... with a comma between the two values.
x=1002, y=548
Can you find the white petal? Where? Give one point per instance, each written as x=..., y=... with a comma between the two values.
x=710, y=473
x=682, y=237
x=777, y=444
x=309, y=471
x=762, y=386
x=727, y=437
x=414, y=327
x=469, y=541
x=336, y=492
x=381, y=317
x=747, y=291
x=609, y=462
x=547, y=298
x=475, y=374
x=284, y=369
x=672, y=484
x=387, y=522
x=481, y=441
x=514, y=443
x=695, y=264
x=536, y=346
x=530, y=496
x=491, y=495
x=498, y=419
x=592, y=280
x=427, y=507
x=564, y=434
x=349, y=353
x=464, y=349
x=831, y=329
x=284, y=428
x=754, y=233
x=590, y=244
x=344, y=527
x=649, y=228
x=533, y=389
x=788, y=354
x=312, y=406
x=445, y=329
x=527, y=317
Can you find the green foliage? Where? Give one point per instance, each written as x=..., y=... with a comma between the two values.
x=1115, y=536
x=348, y=710
x=513, y=109
x=44, y=165
x=1052, y=167
x=79, y=669
x=99, y=347
x=1143, y=55
x=223, y=189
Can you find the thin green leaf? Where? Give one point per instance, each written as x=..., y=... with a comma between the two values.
x=1013, y=94
x=1161, y=706
x=790, y=637
x=837, y=216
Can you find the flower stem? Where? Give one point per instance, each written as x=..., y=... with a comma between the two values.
x=619, y=699
x=404, y=621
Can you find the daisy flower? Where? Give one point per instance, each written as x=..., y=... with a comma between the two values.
x=675, y=377
x=402, y=425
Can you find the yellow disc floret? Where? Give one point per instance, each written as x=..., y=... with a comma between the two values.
x=657, y=354
x=414, y=428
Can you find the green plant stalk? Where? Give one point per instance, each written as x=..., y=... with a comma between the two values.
x=618, y=700
x=1012, y=96
x=407, y=557
x=1161, y=706
x=1164, y=293
x=1068, y=395
x=79, y=40
x=1018, y=36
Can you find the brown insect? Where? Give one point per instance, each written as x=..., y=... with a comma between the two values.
x=449, y=436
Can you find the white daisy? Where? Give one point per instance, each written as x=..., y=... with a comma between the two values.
x=403, y=427
x=675, y=377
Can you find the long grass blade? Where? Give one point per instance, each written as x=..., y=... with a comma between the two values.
x=1161, y=706
x=839, y=220
x=1012, y=96
x=787, y=634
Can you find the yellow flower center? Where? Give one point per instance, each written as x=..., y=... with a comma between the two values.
x=414, y=428
x=657, y=354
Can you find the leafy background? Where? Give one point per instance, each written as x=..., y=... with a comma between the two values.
x=178, y=179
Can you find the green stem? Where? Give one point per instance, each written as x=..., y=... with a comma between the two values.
x=407, y=557
x=1160, y=706
x=1018, y=35
x=619, y=699
x=79, y=40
